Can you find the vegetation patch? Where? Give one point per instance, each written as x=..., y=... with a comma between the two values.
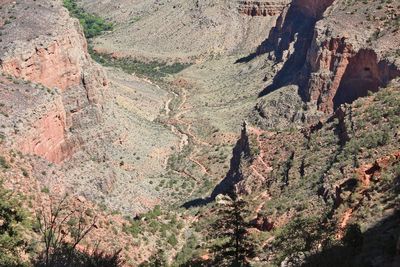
x=92, y=25
x=153, y=70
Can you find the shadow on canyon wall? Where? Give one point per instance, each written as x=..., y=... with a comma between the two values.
x=234, y=175
x=378, y=246
x=294, y=27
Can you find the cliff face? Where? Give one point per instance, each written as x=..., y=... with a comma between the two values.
x=47, y=137
x=57, y=64
x=341, y=74
x=34, y=120
x=262, y=8
x=345, y=62
x=331, y=62
x=55, y=56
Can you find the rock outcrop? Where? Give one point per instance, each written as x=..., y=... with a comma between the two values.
x=262, y=8
x=345, y=63
x=331, y=64
x=47, y=138
x=55, y=56
x=340, y=74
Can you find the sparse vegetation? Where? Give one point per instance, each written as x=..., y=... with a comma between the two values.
x=154, y=70
x=11, y=230
x=92, y=24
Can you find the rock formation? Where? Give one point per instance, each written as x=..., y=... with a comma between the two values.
x=262, y=8
x=56, y=57
x=340, y=74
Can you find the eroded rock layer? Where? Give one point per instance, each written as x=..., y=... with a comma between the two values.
x=341, y=75
x=56, y=57
x=262, y=8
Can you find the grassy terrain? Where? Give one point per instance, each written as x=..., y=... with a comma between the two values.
x=153, y=70
x=92, y=25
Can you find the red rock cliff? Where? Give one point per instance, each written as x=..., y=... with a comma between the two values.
x=341, y=74
x=47, y=138
x=56, y=56
x=262, y=8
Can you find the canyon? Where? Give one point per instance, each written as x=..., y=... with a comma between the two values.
x=153, y=127
x=260, y=8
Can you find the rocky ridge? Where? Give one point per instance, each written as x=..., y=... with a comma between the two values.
x=338, y=160
x=262, y=8
x=57, y=60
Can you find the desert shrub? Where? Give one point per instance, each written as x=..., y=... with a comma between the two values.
x=92, y=24
x=133, y=228
x=154, y=70
x=376, y=139
x=11, y=228
x=300, y=235
x=3, y=163
x=353, y=236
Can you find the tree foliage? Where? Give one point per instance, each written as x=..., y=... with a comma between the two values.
x=92, y=24
x=11, y=219
x=62, y=229
x=232, y=245
x=302, y=234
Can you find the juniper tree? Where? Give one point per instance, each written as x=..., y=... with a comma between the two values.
x=232, y=245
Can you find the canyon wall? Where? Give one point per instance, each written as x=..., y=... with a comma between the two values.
x=262, y=8
x=332, y=64
x=56, y=57
x=47, y=137
x=340, y=72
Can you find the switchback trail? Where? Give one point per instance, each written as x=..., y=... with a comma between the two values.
x=182, y=128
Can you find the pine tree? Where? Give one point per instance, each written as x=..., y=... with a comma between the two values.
x=232, y=245
x=11, y=220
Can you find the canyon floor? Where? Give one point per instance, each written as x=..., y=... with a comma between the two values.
x=155, y=119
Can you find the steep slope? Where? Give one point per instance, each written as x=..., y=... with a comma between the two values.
x=348, y=61
x=181, y=30
x=328, y=63
x=329, y=179
x=315, y=160
x=55, y=56
x=69, y=115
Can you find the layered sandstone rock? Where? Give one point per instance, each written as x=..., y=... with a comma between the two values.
x=334, y=56
x=342, y=71
x=47, y=137
x=262, y=8
x=34, y=120
x=55, y=56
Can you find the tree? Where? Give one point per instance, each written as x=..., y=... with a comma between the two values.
x=232, y=243
x=11, y=219
x=158, y=259
x=62, y=229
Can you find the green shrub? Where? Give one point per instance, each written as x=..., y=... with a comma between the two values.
x=299, y=235
x=12, y=218
x=3, y=163
x=134, y=228
x=92, y=25
x=172, y=240
x=155, y=70
x=353, y=236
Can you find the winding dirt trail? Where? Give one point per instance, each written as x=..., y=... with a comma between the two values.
x=187, y=137
x=343, y=223
x=260, y=158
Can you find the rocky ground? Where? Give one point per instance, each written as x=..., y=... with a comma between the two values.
x=320, y=142
x=187, y=31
